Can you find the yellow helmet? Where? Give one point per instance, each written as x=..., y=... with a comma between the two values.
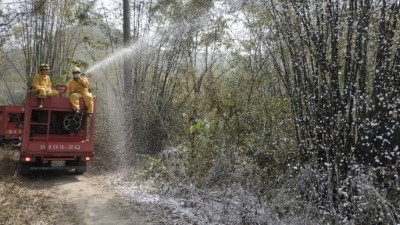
x=76, y=70
x=44, y=66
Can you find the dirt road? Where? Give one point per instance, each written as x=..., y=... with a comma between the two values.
x=92, y=204
x=88, y=202
x=59, y=198
x=70, y=199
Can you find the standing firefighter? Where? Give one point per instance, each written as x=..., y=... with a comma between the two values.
x=42, y=85
x=79, y=87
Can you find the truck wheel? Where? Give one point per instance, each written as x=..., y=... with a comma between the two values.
x=81, y=171
x=24, y=168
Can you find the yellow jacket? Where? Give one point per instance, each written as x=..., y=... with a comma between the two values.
x=80, y=86
x=41, y=81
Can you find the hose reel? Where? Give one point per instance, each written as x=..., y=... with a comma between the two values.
x=73, y=122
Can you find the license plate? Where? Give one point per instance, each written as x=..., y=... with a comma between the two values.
x=57, y=163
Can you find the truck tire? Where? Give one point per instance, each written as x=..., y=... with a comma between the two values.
x=24, y=169
x=81, y=171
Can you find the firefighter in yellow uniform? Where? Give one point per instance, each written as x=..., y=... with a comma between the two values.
x=41, y=84
x=77, y=88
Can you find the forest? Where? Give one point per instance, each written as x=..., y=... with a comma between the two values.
x=295, y=103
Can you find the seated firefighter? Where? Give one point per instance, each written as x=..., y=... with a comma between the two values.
x=77, y=88
x=41, y=84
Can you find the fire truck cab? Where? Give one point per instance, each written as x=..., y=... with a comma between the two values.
x=11, y=122
x=54, y=137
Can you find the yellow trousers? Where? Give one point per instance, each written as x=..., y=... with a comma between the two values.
x=44, y=92
x=87, y=98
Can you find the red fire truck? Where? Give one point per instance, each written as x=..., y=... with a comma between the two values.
x=54, y=137
x=11, y=122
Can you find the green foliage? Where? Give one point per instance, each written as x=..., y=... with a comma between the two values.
x=153, y=168
x=200, y=126
x=99, y=45
x=83, y=13
x=202, y=151
x=182, y=10
x=168, y=8
x=79, y=63
x=238, y=112
x=59, y=80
